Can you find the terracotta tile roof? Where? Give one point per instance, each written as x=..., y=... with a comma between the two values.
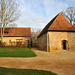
x=58, y=23
x=18, y=32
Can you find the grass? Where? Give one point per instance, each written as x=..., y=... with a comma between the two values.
x=12, y=71
x=16, y=52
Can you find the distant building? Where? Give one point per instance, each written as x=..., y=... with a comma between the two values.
x=58, y=34
x=15, y=35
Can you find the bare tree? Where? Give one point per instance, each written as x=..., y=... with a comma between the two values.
x=69, y=14
x=34, y=34
x=12, y=25
x=9, y=12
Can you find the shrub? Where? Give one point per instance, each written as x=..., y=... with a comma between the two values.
x=2, y=44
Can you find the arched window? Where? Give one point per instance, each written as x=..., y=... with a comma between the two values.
x=64, y=44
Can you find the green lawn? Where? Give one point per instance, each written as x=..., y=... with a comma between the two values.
x=9, y=71
x=16, y=52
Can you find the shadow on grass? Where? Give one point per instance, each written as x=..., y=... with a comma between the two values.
x=13, y=71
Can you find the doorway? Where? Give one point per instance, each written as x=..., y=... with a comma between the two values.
x=64, y=45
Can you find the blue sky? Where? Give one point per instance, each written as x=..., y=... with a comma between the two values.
x=37, y=13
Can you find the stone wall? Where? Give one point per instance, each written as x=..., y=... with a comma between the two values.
x=55, y=40
x=7, y=40
x=71, y=40
x=42, y=42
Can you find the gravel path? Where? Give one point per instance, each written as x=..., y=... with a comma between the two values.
x=61, y=63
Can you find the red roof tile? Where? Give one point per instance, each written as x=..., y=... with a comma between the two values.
x=58, y=23
x=18, y=32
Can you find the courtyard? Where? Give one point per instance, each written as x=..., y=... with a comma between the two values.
x=61, y=63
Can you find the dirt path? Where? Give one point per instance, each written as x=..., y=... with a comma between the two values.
x=61, y=63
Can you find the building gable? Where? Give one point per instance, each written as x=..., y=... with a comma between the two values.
x=58, y=23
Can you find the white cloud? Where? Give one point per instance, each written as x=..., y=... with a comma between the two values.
x=37, y=13
x=70, y=1
x=54, y=7
x=31, y=20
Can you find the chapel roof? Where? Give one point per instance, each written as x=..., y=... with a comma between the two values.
x=58, y=23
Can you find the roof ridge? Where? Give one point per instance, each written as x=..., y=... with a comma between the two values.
x=17, y=27
x=47, y=26
x=54, y=19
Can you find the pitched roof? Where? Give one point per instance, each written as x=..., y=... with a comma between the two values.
x=18, y=32
x=58, y=23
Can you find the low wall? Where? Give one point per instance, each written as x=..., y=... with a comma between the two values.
x=13, y=41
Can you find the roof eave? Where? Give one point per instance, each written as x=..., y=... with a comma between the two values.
x=56, y=31
x=62, y=30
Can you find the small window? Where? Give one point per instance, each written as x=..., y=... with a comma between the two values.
x=18, y=33
x=9, y=40
x=13, y=29
x=6, y=33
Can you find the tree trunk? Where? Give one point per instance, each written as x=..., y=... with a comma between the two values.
x=1, y=35
x=71, y=18
x=71, y=21
x=1, y=38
